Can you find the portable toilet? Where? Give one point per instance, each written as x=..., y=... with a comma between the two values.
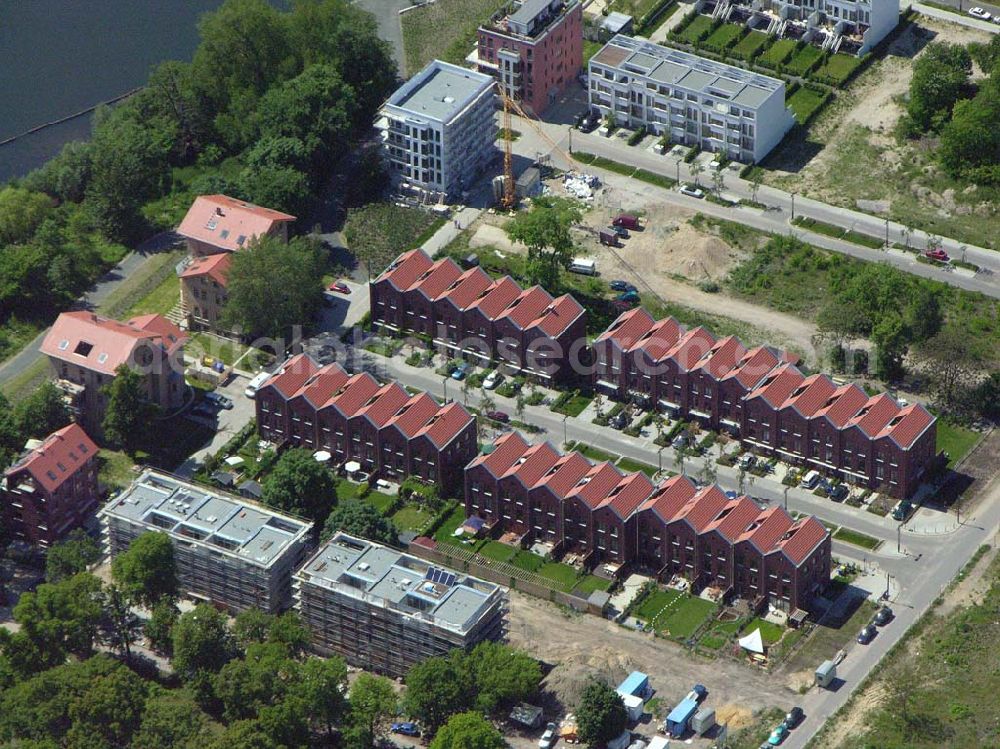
x=826, y=673
x=703, y=720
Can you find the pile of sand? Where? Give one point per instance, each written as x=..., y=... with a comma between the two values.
x=734, y=716
x=568, y=679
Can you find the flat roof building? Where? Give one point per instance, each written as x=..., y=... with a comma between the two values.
x=693, y=100
x=228, y=550
x=438, y=130
x=383, y=610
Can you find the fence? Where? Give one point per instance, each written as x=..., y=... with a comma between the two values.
x=500, y=573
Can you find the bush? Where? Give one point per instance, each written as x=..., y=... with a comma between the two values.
x=635, y=138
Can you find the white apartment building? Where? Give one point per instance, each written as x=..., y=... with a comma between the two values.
x=694, y=101
x=439, y=130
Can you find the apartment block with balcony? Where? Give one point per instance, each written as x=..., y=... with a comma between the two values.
x=439, y=131
x=534, y=48
x=229, y=551
x=384, y=611
x=692, y=100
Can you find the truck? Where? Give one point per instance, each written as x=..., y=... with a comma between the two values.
x=628, y=221
x=679, y=718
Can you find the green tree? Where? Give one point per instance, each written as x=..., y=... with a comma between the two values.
x=987, y=396
x=322, y=686
x=64, y=176
x=601, y=714
x=42, y=412
x=161, y=622
x=966, y=147
x=72, y=555
x=360, y=518
x=951, y=363
x=890, y=338
x=301, y=485
x=251, y=626
x=922, y=314
x=546, y=231
x=262, y=678
x=437, y=688
x=121, y=628
x=62, y=617
x=21, y=213
x=11, y=440
x=146, y=571
x=468, y=731
x=504, y=676
x=108, y=712
x=939, y=76
x=289, y=630
x=127, y=412
x=171, y=720
x=373, y=703
x=274, y=286
x=202, y=643
x=282, y=188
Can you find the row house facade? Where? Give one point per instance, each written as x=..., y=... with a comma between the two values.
x=673, y=529
x=472, y=315
x=390, y=432
x=761, y=396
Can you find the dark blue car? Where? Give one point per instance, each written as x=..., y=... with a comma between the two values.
x=407, y=729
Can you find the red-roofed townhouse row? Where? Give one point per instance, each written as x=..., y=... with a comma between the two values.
x=671, y=529
x=760, y=396
x=52, y=488
x=84, y=351
x=471, y=315
x=391, y=433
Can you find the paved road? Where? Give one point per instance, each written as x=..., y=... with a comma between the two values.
x=386, y=14
x=775, y=220
x=963, y=17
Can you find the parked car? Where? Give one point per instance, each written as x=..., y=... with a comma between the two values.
x=692, y=192
x=681, y=440
x=621, y=231
x=219, y=400
x=777, y=735
x=500, y=416
x=747, y=461
x=628, y=296
x=979, y=13
x=406, y=729
x=902, y=510
x=340, y=287
x=811, y=480
x=867, y=635
x=493, y=379
x=548, y=738
x=883, y=616
x=838, y=492
x=731, y=494
x=204, y=409
x=460, y=371
x=618, y=421
x=794, y=717
x=940, y=255
x=619, y=285
x=609, y=238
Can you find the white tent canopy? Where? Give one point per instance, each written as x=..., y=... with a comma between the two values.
x=753, y=642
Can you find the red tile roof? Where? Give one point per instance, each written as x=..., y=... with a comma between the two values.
x=321, y=386
x=228, y=223
x=689, y=350
x=907, y=425
x=628, y=495
x=59, y=456
x=703, y=507
x=766, y=529
x=875, y=414
x=384, y=404
x=413, y=415
x=811, y=395
x=660, y=338
x=527, y=307
x=292, y=375
x=670, y=496
x=446, y=424
x=102, y=344
x=628, y=328
x=733, y=519
x=404, y=271
x=558, y=316
x=506, y=449
x=354, y=394
x=595, y=486
x=467, y=287
x=777, y=386
x=753, y=367
x=496, y=298
x=798, y=542
x=565, y=474
x=533, y=464
x=215, y=267
x=723, y=357
x=435, y=280
x=843, y=404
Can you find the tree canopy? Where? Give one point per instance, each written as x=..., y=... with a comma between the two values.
x=468, y=731
x=301, y=485
x=601, y=714
x=360, y=518
x=545, y=231
x=202, y=642
x=146, y=570
x=74, y=554
x=127, y=410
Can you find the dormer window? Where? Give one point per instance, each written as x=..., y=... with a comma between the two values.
x=83, y=348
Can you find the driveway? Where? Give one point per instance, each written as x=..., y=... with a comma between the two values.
x=227, y=423
x=343, y=311
x=386, y=14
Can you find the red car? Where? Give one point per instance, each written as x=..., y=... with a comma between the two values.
x=340, y=287
x=939, y=255
x=500, y=416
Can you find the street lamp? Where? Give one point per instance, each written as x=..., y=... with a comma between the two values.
x=659, y=457
x=678, y=165
x=899, y=542
x=793, y=206
x=446, y=388
x=786, y=497
x=887, y=232
x=565, y=435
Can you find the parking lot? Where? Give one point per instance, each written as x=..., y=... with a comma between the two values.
x=226, y=422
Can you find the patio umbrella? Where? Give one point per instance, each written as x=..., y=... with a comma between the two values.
x=352, y=466
x=322, y=456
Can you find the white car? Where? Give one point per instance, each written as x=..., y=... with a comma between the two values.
x=548, y=738
x=692, y=191
x=493, y=379
x=979, y=13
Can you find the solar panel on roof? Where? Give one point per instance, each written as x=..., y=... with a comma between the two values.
x=437, y=575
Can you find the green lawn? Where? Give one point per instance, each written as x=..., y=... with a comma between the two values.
x=654, y=603
x=778, y=52
x=411, y=517
x=206, y=344
x=858, y=539
x=527, y=561
x=723, y=37
x=803, y=60
x=699, y=27
x=686, y=617
x=750, y=45
x=561, y=574
x=380, y=500
x=160, y=300
x=955, y=440
x=145, y=289
x=590, y=583
x=445, y=30
x=769, y=631
x=114, y=469
x=594, y=454
x=573, y=406
x=169, y=442
x=589, y=50
x=445, y=534
x=634, y=466
x=838, y=68
x=804, y=102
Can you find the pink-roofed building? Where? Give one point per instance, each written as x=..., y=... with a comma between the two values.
x=204, y=294
x=84, y=350
x=219, y=223
x=392, y=434
x=52, y=488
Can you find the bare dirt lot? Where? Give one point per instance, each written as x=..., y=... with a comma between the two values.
x=580, y=646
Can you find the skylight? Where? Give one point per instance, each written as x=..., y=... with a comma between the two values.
x=83, y=348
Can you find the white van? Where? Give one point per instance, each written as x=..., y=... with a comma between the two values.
x=810, y=480
x=255, y=384
x=583, y=266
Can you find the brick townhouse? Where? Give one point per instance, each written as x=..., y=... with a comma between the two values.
x=674, y=528
x=470, y=314
x=51, y=488
x=761, y=396
x=85, y=349
x=392, y=433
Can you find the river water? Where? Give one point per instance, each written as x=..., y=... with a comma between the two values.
x=58, y=57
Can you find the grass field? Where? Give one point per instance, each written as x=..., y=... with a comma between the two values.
x=591, y=452
x=750, y=45
x=561, y=574
x=837, y=232
x=445, y=30
x=696, y=29
x=634, y=466
x=573, y=406
x=826, y=640
x=955, y=440
x=778, y=52
x=114, y=469
x=497, y=551
x=380, y=500
x=803, y=60
x=445, y=534
x=411, y=517
x=160, y=300
x=769, y=631
x=148, y=287
x=804, y=102
x=686, y=617
x=723, y=37
x=838, y=68
x=654, y=603
x=590, y=583
x=589, y=50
